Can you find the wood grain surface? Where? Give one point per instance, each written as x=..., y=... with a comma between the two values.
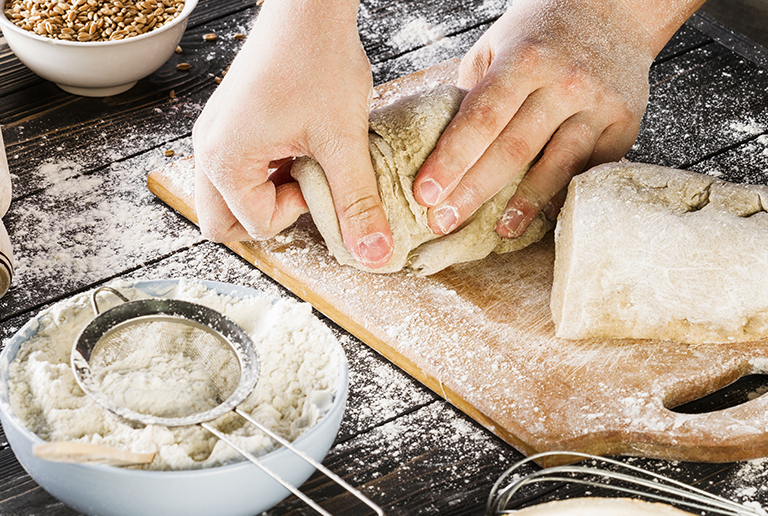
x=481, y=335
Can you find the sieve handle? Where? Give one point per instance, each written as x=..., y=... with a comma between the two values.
x=293, y=489
x=111, y=290
x=66, y=451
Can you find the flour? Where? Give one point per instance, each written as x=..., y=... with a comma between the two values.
x=159, y=384
x=299, y=364
x=417, y=33
x=750, y=128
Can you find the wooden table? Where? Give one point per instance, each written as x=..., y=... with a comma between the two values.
x=82, y=216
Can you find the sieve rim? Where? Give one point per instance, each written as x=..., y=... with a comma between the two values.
x=202, y=316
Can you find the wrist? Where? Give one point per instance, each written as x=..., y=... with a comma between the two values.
x=316, y=11
x=660, y=19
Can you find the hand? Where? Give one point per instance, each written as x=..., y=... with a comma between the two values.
x=300, y=86
x=562, y=80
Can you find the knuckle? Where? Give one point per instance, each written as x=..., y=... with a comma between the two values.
x=486, y=116
x=530, y=52
x=576, y=80
x=474, y=65
x=529, y=199
x=569, y=163
x=472, y=192
x=361, y=210
x=517, y=148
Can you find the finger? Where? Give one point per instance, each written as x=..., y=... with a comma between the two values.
x=260, y=207
x=217, y=223
x=266, y=209
x=614, y=142
x=564, y=156
x=483, y=115
x=552, y=208
x=362, y=220
x=519, y=143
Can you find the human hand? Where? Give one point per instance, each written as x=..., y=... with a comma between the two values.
x=300, y=86
x=563, y=80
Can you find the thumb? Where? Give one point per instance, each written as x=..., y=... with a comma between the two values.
x=362, y=220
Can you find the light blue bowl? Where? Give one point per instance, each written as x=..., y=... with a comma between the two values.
x=236, y=489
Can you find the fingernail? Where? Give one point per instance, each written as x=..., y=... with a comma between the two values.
x=446, y=218
x=430, y=191
x=511, y=220
x=374, y=249
x=551, y=212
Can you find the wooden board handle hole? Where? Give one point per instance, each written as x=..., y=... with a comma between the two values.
x=744, y=389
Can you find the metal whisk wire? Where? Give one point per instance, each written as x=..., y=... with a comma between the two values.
x=652, y=485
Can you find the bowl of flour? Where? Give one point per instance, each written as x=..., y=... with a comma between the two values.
x=301, y=395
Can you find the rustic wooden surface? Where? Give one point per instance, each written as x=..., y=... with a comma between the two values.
x=82, y=215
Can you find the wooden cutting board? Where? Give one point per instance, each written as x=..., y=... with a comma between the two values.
x=481, y=335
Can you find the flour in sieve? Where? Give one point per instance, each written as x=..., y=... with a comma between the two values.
x=159, y=384
x=299, y=365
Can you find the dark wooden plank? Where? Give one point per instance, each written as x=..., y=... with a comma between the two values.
x=734, y=39
x=416, y=454
x=22, y=496
x=207, y=11
x=685, y=63
x=432, y=461
x=392, y=28
x=744, y=163
x=14, y=76
x=685, y=39
x=693, y=115
x=84, y=228
x=42, y=123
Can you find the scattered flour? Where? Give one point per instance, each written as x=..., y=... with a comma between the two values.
x=299, y=362
x=417, y=33
x=87, y=226
x=750, y=128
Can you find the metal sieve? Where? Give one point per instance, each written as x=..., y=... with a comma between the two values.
x=220, y=346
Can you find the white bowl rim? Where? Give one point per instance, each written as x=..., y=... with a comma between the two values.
x=338, y=401
x=5, y=23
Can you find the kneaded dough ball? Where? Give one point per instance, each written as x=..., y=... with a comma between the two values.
x=401, y=137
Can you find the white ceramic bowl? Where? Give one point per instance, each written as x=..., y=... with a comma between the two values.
x=96, y=69
x=236, y=489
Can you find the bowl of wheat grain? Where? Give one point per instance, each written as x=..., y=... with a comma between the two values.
x=94, y=48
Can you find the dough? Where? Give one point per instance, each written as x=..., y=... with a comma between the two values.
x=655, y=253
x=401, y=137
x=602, y=507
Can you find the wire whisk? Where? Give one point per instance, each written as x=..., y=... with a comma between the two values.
x=627, y=479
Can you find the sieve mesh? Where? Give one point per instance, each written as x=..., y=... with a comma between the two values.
x=185, y=338
x=170, y=336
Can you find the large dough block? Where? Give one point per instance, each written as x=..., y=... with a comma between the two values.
x=655, y=253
